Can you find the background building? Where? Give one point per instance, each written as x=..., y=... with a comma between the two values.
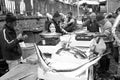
x=50, y=6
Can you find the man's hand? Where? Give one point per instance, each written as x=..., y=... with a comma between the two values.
x=20, y=37
x=25, y=37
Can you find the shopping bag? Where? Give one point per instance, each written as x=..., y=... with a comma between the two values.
x=98, y=45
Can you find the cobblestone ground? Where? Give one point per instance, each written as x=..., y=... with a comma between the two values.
x=113, y=66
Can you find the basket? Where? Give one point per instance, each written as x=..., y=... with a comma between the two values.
x=28, y=51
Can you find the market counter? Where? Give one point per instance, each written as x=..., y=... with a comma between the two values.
x=82, y=68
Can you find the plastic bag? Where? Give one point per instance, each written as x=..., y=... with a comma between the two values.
x=98, y=45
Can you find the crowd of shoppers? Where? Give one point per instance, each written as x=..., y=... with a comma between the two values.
x=96, y=22
x=62, y=25
x=103, y=25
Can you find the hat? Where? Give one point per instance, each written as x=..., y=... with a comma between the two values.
x=92, y=14
x=70, y=13
x=100, y=17
x=49, y=15
x=56, y=15
x=10, y=17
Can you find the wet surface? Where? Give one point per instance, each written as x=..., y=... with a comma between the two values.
x=111, y=74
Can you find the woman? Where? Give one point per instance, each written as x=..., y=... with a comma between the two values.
x=52, y=28
x=52, y=31
x=56, y=20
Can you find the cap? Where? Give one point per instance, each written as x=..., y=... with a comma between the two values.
x=10, y=17
x=100, y=17
x=70, y=13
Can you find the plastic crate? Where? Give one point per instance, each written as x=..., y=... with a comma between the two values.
x=83, y=37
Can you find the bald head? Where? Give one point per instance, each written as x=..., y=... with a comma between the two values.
x=93, y=16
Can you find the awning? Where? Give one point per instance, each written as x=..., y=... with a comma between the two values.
x=87, y=2
x=102, y=0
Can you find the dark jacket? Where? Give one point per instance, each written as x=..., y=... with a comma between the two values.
x=9, y=44
x=92, y=26
x=71, y=27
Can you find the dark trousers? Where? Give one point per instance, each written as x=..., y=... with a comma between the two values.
x=104, y=63
x=105, y=60
x=116, y=54
x=3, y=67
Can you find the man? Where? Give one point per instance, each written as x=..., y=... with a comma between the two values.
x=106, y=33
x=91, y=23
x=9, y=42
x=70, y=23
x=48, y=21
x=111, y=18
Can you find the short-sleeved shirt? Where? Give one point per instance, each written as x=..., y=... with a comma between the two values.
x=107, y=30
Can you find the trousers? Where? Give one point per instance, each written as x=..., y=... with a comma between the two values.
x=12, y=63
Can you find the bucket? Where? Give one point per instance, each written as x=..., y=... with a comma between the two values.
x=28, y=50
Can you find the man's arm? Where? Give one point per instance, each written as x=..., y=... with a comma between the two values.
x=107, y=32
x=68, y=23
x=9, y=43
x=71, y=21
x=61, y=27
x=85, y=23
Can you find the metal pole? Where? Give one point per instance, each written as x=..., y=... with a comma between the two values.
x=78, y=7
x=107, y=5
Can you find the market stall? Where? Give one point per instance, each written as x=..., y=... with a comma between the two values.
x=63, y=62
x=70, y=70
x=85, y=4
x=70, y=59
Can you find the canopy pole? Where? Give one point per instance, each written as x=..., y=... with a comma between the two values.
x=107, y=6
x=78, y=8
